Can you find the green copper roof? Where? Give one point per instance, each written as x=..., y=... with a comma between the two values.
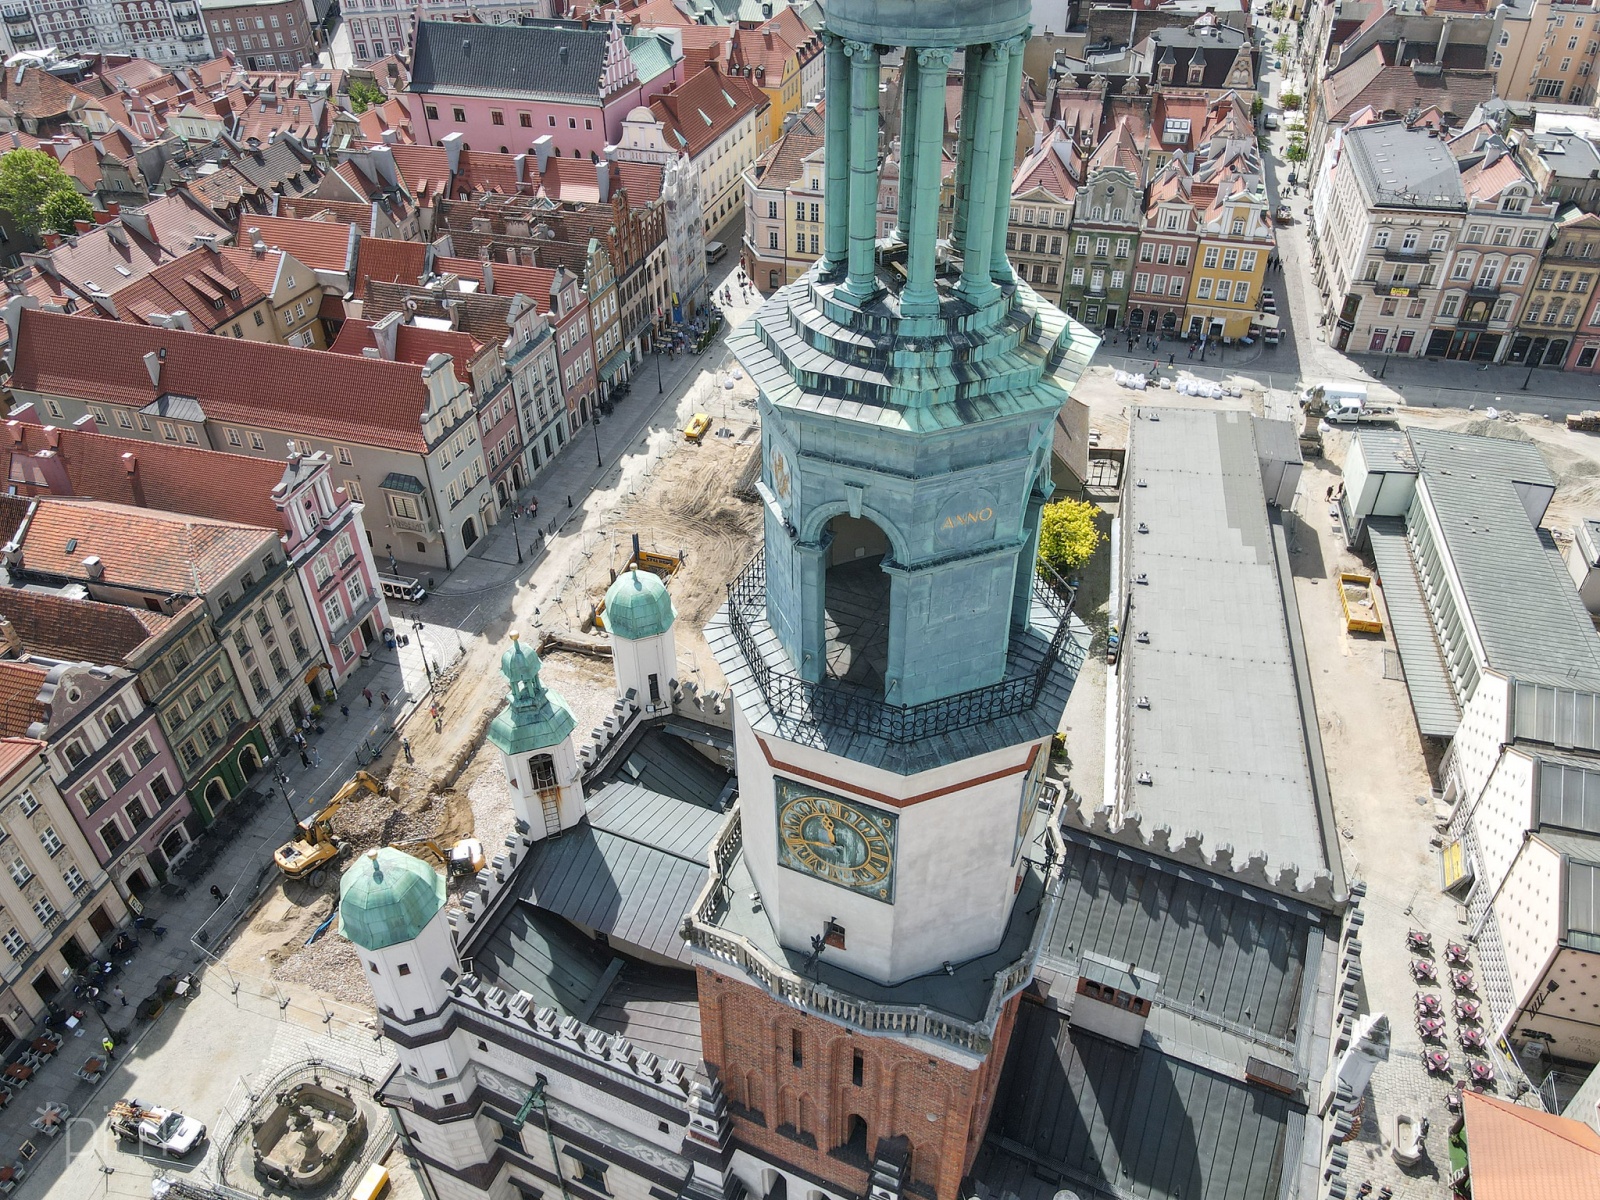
x=387, y=897
x=638, y=606
x=535, y=718
x=651, y=53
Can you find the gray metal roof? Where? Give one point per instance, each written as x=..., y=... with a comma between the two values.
x=1222, y=741
x=1404, y=168
x=1569, y=793
x=1079, y=1111
x=1433, y=700
x=1277, y=441
x=1587, y=534
x=546, y=58
x=1556, y=716
x=630, y=871
x=1386, y=449
x=1521, y=601
x=1220, y=948
x=656, y=1008
x=660, y=759
x=1580, y=900
x=534, y=952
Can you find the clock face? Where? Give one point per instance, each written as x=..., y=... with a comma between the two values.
x=839, y=841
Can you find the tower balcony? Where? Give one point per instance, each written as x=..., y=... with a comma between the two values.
x=1042, y=663
x=956, y=1009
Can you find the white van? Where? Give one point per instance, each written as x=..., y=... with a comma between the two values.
x=714, y=251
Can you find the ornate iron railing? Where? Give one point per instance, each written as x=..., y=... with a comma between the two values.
x=798, y=704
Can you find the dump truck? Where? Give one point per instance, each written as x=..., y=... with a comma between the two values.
x=1360, y=608
x=166, y=1129
x=314, y=847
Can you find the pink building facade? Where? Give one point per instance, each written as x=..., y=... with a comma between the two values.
x=474, y=81
x=326, y=543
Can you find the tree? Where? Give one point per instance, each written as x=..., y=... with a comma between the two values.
x=1068, y=534
x=1256, y=106
x=1281, y=46
x=1296, y=153
x=1290, y=101
x=61, y=210
x=363, y=95
x=27, y=179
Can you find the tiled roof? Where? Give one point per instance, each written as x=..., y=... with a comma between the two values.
x=651, y=54
x=223, y=187
x=280, y=165
x=412, y=343
x=13, y=510
x=482, y=316
x=307, y=393
x=138, y=548
x=19, y=697
x=202, y=283
x=261, y=269
x=36, y=93
x=113, y=255
x=781, y=165
x=704, y=45
x=16, y=753
x=1520, y=1153
x=143, y=474
x=79, y=630
x=509, y=278
x=389, y=261
x=1055, y=167
x=705, y=106
x=321, y=245
x=547, y=58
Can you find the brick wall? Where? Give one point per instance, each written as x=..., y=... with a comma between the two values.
x=802, y=1116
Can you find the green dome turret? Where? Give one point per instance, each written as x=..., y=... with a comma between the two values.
x=535, y=717
x=388, y=897
x=638, y=606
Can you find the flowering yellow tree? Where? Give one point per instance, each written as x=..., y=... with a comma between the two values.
x=1067, y=534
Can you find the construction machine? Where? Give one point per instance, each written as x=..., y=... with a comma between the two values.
x=466, y=857
x=314, y=846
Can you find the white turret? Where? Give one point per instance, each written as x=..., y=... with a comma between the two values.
x=639, y=616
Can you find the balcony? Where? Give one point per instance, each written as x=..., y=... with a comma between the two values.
x=15, y=14
x=958, y=1007
x=194, y=35
x=1418, y=255
x=185, y=12
x=21, y=36
x=1400, y=290
x=426, y=527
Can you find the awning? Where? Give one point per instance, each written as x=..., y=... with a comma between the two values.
x=1433, y=700
x=1265, y=320
x=396, y=481
x=613, y=366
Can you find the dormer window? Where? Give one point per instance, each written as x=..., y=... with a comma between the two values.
x=1165, y=74
x=1196, y=71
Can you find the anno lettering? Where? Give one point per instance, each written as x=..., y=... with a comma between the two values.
x=956, y=520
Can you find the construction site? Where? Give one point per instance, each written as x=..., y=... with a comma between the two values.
x=693, y=518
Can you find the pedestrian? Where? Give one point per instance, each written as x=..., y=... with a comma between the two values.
x=305, y=759
x=1172, y=359
x=217, y=894
x=344, y=711
x=367, y=692
x=405, y=744
x=117, y=992
x=384, y=697
x=1191, y=349
x=108, y=1046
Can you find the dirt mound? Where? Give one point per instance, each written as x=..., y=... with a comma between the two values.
x=1484, y=427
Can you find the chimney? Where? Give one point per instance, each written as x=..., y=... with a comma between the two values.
x=179, y=319
x=390, y=136
x=139, y=222
x=386, y=333
x=452, y=148
x=52, y=239
x=602, y=175
x=82, y=226
x=381, y=160
x=130, y=464
x=10, y=640
x=93, y=567
x=488, y=277
x=152, y=363
x=522, y=169
x=257, y=246
x=542, y=146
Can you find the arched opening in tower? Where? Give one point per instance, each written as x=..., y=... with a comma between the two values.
x=856, y=603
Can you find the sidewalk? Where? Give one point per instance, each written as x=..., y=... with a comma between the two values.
x=195, y=923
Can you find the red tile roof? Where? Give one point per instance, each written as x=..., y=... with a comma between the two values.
x=138, y=548
x=79, y=630
x=39, y=460
x=412, y=343
x=18, y=752
x=509, y=278
x=1518, y=1153
x=705, y=106
x=261, y=269
x=203, y=283
x=307, y=393
x=19, y=697
x=389, y=261
x=321, y=245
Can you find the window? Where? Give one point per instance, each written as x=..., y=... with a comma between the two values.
x=1182, y=258
x=858, y=1068
x=496, y=117
x=796, y=1049
x=27, y=803
x=1450, y=305
x=1141, y=282
x=1515, y=271
x=1247, y=260
x=1102, y=247
x=143, y=751
x=431, y=111
x=117, y=774
x=458, y=114
x=14, y=943
x=1147, y=252
x=1123, y=247
x=1473, y=235
x=1380, y=239
x=1203, y=292
x=1224, y=289
x=1077, y=276
x=1210, y=259
x=1440, y=240
x=74, y=880
x=1241, y=292
x=50, y=841
x=44, y=910
x=20, y=872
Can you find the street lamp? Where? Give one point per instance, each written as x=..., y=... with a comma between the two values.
x=1528, y=378
x=422, y=649
x=281, y=778
x=598, y=461
x=661, y=388
x=514, y=536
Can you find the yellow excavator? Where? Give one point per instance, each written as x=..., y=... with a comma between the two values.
x=314, y=846
x=466, y=857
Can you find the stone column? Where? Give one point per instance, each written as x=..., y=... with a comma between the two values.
x=862, y=280
x=920, y=297
x=836, y=155
x=1011, y=99
x=910, y=95
x=971, y=69
x=976, y=286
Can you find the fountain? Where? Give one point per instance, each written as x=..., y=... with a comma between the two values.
x=307, y=1135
